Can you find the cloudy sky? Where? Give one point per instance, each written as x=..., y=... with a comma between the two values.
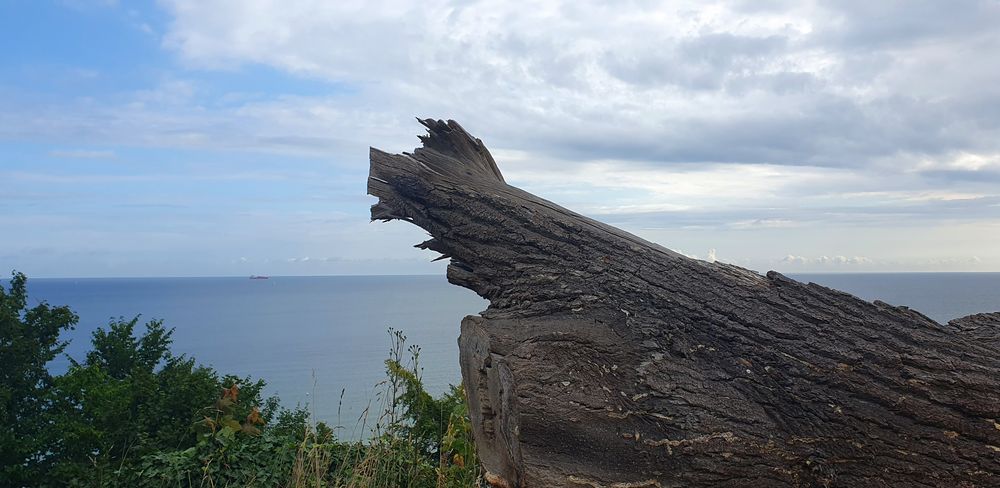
x=213, y=137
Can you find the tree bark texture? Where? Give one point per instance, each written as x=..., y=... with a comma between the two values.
x=604, y=360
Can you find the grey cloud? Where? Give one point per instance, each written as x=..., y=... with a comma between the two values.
x=784, y=83
x=957, y=176
x=704, y=62
x=829, y=132
x=887, y=93
x=894, y=24
x=798, y=213
x=767, y=6
x=595, y=82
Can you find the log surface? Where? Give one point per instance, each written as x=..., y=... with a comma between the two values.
x=604, y=360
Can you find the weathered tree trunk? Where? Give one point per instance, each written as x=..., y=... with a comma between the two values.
x=607, y=360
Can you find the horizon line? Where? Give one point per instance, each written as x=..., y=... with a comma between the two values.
x=359, y=275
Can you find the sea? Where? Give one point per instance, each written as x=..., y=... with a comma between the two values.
x=321, y=342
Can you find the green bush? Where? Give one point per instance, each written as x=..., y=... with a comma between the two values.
x=133, y=414
x=29, y=339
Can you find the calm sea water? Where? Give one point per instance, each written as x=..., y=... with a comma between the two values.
x=313, y=337
x=310, y=338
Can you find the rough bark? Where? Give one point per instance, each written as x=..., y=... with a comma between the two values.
x=605, y=360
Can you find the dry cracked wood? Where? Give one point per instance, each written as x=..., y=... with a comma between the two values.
x=605, y=360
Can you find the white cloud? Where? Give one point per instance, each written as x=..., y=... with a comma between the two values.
x=762, y=223
x=960, y=160
x=659, y=108
x=82, y=154
x=812, y=126
x=808, y=83
x=836, y=261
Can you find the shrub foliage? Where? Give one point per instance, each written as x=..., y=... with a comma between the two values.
x=131, y=413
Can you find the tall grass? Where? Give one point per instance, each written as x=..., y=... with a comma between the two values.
x=409, y=439
x=415, y=440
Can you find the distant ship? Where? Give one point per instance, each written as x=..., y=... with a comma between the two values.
x=255, y=277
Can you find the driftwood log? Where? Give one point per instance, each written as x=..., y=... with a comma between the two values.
x=605, y=360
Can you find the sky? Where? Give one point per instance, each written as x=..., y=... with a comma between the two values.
x=229, y=138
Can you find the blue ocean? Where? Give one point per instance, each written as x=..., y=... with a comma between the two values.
x=314, y=339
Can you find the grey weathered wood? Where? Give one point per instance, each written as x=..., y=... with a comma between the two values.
x=606, y=360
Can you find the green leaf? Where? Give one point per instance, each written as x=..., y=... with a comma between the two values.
x=232, y=424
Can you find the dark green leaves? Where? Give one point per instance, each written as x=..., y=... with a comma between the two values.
x=29, y=339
